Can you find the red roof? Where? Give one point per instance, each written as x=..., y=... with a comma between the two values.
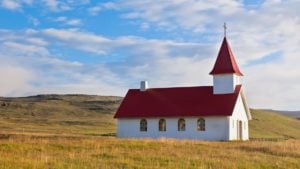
x=178, y=101
x=225, y=62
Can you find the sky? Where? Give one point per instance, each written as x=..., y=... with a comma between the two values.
x=106, y=47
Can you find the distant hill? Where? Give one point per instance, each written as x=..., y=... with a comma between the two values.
x=60, y=114
x=294, y=114
x=92, y=115
x=267, y=124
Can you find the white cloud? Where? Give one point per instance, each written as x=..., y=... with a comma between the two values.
x=15, y=4
x=102, y=6
x=61, y=19
x=102, y=45
x=73, y=22
x=83, y=41
x=37, y=41
x=10, y=4
x=57, y=6
x=147, y=59
x=24, y=49
x=145, y=26
x=16, y=80
x=103, y=78
x=34, y=20
x=60, y=5
x=186, y=14
x=68, y=21
x=94, y=10
x=52, y=4
x=29, y=68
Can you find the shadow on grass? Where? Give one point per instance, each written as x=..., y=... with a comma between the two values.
x=103, y=134
x=269, y=139
x=270, y=151
x=4, y=136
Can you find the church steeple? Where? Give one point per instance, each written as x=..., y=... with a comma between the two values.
x=225, y=62
x=226, y=73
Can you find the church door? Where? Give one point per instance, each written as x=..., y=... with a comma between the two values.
x=240, y=130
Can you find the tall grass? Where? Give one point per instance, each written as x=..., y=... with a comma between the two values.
x=19, y=151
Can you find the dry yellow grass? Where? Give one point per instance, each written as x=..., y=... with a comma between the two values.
x=19, y=151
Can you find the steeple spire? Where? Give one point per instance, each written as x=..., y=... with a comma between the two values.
x=225, y=62
x=225, y=28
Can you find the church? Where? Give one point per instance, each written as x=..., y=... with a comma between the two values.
x=218, y=112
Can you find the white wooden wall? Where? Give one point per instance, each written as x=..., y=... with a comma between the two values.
x=216, y=128
x=225, y=83
x=239, y=114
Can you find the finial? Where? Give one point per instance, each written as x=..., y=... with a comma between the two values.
x=225, y=27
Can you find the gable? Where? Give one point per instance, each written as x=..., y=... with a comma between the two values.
x=246, y=107
x=241, y=110
x=181, y=101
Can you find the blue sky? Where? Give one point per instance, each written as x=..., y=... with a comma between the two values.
x=106, y=47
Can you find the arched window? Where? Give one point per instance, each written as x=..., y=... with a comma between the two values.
x=181, y=125
x=201, y=124
x=162, y=125
x=143, y=125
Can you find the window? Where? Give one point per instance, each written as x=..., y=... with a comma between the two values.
x=201, y=124
x=162, y=125
x=245, y=125
x=181, y=125
x=143, y=125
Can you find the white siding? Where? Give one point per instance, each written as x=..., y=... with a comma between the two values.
x=225, y=83
x=216, y=128
x=239, y=114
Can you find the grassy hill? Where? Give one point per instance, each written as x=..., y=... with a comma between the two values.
x=76, y=131
x=59, y=114
x=273, y=125
x=294, y=114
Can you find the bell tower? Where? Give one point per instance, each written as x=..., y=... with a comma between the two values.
x=226, y=73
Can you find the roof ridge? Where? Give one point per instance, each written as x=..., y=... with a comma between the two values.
x=176, y=87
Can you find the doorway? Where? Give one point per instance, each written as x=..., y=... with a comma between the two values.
x=239, y=130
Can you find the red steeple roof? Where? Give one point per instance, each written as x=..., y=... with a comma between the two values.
x=225, y=62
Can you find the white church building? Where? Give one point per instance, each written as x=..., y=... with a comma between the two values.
x=217, y=112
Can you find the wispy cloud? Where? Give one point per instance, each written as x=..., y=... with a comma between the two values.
x=55, y=5
x=144, y=58
x=15, y=4
x=10, y=4
x=59, y=6
x=34, y=69
x=34, y=21
x=84, y=41
x=17, y=79
x=143, y=61
x=68, y=21
x=101, y=6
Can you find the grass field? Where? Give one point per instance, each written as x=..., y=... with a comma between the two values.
x=108, y=152
x=76, y=131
